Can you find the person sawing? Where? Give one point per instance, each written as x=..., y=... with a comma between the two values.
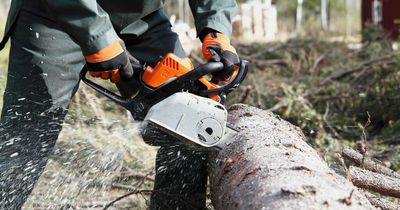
x=51, y=40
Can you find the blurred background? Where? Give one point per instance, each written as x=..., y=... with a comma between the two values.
x=331, y=67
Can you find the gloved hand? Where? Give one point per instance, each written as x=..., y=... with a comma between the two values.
x=227, y=53
x=112, y=62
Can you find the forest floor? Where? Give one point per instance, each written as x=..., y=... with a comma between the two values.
x=336, y=94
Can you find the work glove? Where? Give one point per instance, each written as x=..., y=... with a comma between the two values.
x=112, y=62
x=215, y=42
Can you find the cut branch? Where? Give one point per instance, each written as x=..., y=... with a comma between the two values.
x=369, y=164
x=135, y=192
x=246, y=93
x=362, y=66
x=382, y=184
x=381, y=202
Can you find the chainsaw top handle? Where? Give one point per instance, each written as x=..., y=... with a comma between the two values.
x=184, y=82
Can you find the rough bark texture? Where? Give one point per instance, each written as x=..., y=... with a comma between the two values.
x=382, y=184
x=270, y=166
x=381, y=202
x=368, y=164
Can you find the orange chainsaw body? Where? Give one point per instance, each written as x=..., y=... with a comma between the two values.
x=169, y=67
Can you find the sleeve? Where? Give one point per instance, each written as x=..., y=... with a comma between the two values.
x=213, y=14
x=85, y=21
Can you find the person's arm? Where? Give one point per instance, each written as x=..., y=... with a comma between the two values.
x=212, y=15
x=90, y=27
x=85, y=21
x=213, y=20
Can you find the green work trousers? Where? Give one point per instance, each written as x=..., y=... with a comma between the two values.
x=43, y=76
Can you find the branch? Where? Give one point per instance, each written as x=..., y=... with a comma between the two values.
x=360, y=67
x=136, y=176
x=264, y=62
x=376, y=182
x=246, y=93
x=134, y=190
x=369, y=164
x=381, y=202
x=126, y=195
x=317, y=62
x=278, y=106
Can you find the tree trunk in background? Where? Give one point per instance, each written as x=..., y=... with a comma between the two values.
x=270, y=166
x=324, y=15
x=349, y=24
x=299, y=15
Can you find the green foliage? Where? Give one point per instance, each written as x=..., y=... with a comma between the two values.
x=312, y=7
x=373, y=33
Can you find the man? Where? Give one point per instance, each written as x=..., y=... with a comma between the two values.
x=51, y=40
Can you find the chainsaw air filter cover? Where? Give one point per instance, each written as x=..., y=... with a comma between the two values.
x=191, y=118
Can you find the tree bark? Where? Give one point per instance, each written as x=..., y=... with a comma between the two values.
x=381, y=202
x=380, y=183
x=324, y=15
x=268, y=165
x=299, y=15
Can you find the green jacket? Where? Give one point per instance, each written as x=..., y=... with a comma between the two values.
x=94, y=24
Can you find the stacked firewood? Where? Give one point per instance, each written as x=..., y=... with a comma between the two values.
x=380, y=184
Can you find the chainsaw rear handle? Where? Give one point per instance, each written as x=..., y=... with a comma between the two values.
x=193, y=75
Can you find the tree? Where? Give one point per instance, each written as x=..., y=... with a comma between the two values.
x=299, y=15
x=324, y=15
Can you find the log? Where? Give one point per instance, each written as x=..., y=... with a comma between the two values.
x=380, y=183
x=268, y=165
x=381, y=202
x=369, y=164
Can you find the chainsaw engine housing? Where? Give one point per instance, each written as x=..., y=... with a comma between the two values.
x=191, y=118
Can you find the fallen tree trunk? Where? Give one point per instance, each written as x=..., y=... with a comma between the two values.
x=270, y=166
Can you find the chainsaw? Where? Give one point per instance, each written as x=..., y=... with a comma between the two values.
x=179, y=100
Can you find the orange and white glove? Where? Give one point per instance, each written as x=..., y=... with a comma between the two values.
x=219, y=42
x=112, y=62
